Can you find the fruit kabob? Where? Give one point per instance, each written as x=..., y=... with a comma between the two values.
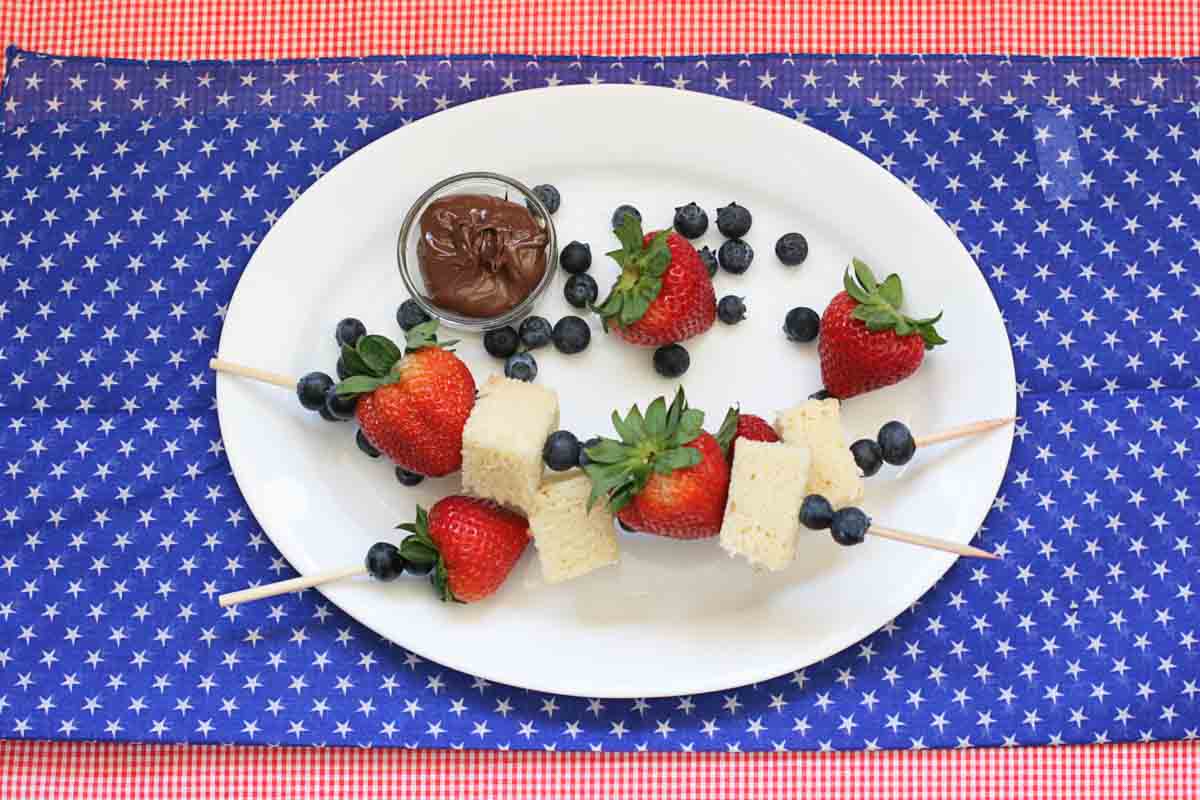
x=833, y=476
x=662, y=474
x=467, y=546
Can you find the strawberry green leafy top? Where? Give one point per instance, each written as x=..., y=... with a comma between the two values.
x=650, y=443
x=879, y=305
x=373, y=361
x=642, y=268
x=418, y=548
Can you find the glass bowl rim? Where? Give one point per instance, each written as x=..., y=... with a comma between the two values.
x=461, y=321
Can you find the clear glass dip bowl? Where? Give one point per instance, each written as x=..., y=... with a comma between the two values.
x=486, y=183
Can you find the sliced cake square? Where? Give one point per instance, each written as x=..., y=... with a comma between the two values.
x=570, y=540
x=767, y=485
x=503, y=438
x=817, y=425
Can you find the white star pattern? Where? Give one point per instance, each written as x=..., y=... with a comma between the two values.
x=122, y=237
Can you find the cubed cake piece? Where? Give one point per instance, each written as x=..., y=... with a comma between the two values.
x=766, y=487
x=503, y=438
x=817, y=424
x=570, y=540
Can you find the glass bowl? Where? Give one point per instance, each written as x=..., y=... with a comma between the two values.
x=487, y=183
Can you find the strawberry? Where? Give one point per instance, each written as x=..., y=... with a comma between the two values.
x=665, y=475
x=664, y=294
x=411, y=406
x=866, y=342
x=743, y=426
x=468, y=546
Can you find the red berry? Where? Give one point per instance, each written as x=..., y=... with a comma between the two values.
x=866, y=341
x=478, y=542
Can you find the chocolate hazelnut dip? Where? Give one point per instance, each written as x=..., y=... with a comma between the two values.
x=480, y=255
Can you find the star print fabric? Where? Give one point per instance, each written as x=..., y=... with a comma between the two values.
x=133, y=194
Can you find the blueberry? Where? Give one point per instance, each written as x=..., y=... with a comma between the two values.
x=710, y=260
x=731, y=310
x=868, y=455
x=326, y=414
x=802, y=324
x=583, y=456
x=733, y=221
x=535, y=332
x=561, y=451
x=340, y=406
x=619, y=215
x=549, y=196
x=521, y=367
x=691, y=221
x=849, y=526
x=384, y=561
x=576, y=258
x=408, y=478
x=581, y=290
x=672, y=360
x=349, y=331
x=735, y=256
x=820, y=394
x=816, y=513
x=343, y=371
x=572, y=335
x=365, y=445
x=897, y=443
x=311, y=390
x=501, y=342
x=409, y=315
x=792, y=249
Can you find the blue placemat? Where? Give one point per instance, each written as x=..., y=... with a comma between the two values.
x=132, y=195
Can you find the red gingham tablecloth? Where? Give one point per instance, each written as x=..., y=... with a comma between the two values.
x=300, y=28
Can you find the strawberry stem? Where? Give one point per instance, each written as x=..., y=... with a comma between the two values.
x=879, y=305
x=728, y=429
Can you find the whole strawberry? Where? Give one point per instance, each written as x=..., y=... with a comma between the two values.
x=664, y=294
x=467, y=545
x=743, y=426
x=665, y=475
x=411, y=407
x=866, y=341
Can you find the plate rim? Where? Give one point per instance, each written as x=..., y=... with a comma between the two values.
x=726, y=679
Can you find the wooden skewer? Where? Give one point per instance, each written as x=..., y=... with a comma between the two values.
x=317, y=579
x=254, y=373
x=959, y=432
x=930, y=542
x=962, y=431
x=290, y=585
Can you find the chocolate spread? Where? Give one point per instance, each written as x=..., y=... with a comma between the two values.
x=480, y=255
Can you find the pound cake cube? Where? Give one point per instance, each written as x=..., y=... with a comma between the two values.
x=817, y=425
x=503, y=438
x=766, y=487
x=570, y=540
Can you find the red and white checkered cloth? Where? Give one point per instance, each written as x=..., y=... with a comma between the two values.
x=1170, y=771
x=303, y=28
